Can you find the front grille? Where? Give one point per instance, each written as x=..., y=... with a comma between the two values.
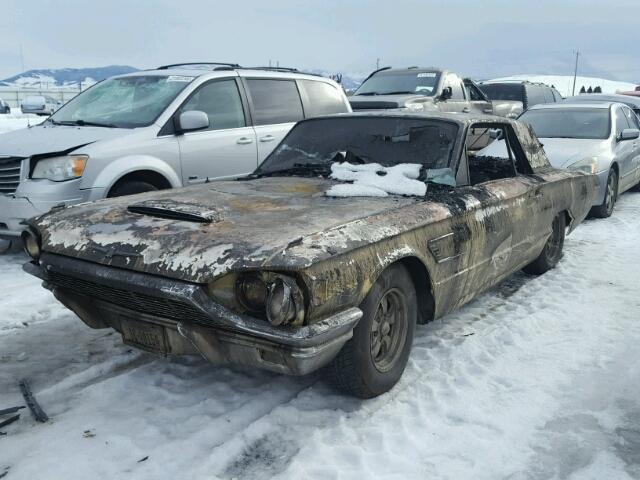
x=9, y=174
x=138, y=302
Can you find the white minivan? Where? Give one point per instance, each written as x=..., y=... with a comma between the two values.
x=173, y=126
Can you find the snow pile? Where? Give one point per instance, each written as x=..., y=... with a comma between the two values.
x=16, y=119
x=374, y=180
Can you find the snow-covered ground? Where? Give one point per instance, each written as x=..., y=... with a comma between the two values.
x=16, y=119
x=564, y=83
x=536, y=379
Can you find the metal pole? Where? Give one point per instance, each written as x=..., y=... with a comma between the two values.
x=575, y=74
x=377, y=64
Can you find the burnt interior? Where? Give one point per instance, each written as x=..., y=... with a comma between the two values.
x=483, y=168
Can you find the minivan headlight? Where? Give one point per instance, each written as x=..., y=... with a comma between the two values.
x=586, y=165
x=59, y=169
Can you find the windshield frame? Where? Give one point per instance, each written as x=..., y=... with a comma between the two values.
x=454, y=155
x=399, y=73
x=55, y=121
x=607, y=111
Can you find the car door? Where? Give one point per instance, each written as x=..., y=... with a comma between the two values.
x=228, y=147
x=479, y=103
x=623, y=150
x=632, y=120
x=458, y=101
x=506, y=232
x=276, y=106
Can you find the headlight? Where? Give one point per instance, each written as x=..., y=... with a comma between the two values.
x=285, y=302
x=586, y=165
x=252, y=292
x=60, y=168
x=31, y=244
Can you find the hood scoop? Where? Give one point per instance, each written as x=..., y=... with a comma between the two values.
x=172, y=210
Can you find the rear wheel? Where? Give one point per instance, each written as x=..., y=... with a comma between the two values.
x=5, y=246
x=131, y=188
x=610, y=197
x=373, y=360
x=552, y=251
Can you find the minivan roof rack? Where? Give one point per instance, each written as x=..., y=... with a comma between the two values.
x=212, y=64
x=275, y=69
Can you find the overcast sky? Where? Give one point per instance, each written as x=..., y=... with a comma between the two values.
x=483, y=38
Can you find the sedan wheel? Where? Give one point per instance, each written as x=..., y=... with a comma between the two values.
x=610, y=197
x=373, y=360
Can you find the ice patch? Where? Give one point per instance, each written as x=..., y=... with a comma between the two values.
x=374, y=180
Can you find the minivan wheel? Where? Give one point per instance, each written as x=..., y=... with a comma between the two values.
x=552, y=251
x=131, y=188
x=373, y=360
x=610, y=197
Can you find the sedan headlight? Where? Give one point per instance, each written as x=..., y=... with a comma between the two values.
x=59, y=169
x=586, y=165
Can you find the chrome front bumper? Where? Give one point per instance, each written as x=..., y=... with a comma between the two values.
x=192, y=323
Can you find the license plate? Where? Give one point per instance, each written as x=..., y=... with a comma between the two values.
x=144, y=335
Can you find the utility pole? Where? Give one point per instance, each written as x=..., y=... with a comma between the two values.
x=575, y=74
x=377, y=64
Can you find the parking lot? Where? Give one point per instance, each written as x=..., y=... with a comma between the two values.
x=531, y=380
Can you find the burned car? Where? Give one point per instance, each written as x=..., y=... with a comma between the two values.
x=356, y=228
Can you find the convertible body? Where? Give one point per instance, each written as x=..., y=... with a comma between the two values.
x=164, y=268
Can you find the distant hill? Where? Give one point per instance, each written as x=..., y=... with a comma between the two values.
x=64, y=77
x=564, y=83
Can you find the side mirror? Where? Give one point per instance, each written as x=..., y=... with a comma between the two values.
x=495, y=133
x=629, y=134
x=192, y=121
x=446, y=94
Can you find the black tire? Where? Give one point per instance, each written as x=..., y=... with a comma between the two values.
x=131, y=188
x=357, y=369
x=552, y=251
x=610, y=197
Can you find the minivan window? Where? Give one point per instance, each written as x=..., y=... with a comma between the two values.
x=221, y=101
x=124, y=102
x=569, y=122
x=400, y=82
x=275, y=101
x=621, y=121
x=323, y=98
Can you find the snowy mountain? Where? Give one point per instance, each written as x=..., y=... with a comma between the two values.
x=564, y=83
x=64, y=77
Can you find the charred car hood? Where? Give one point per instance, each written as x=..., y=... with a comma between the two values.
x=202, y=232
x=49, y=138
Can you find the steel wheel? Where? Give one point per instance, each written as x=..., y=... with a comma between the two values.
x=388, y=330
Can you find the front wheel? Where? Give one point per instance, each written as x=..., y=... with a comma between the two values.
x=610, y=197
x=552, y=251
x=373, y=360
x=131, y=187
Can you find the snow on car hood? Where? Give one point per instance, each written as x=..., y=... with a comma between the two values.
x=563, y=152
x=199, y=233
x=50, y=138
